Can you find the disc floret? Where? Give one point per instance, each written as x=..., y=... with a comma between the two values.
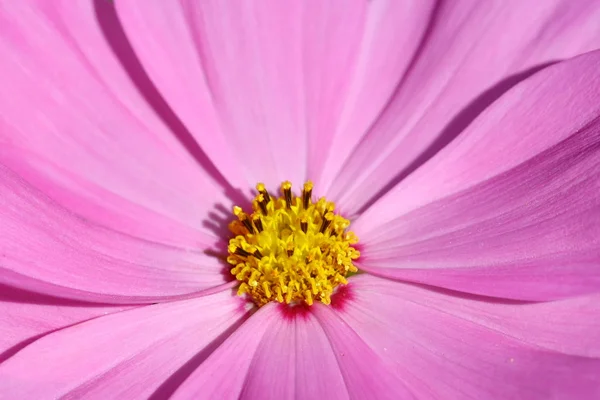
x=290, y=249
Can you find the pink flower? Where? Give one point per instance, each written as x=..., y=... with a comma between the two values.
x=461, y=138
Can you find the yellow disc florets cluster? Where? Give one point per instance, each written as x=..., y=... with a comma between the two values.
x=290, y=249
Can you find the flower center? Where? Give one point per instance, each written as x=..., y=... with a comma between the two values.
x=290, y=249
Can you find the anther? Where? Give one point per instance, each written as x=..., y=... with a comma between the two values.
x=248, y=224
x=306, y=194
x=286, y=188
x=257, y=254
x=326, y=221
x=241, y=252
x=238, y=212
x=329, y=207
x=262, y=203
x=258, y=224
x=304, y=224
x=335, y=230
x=262, y=190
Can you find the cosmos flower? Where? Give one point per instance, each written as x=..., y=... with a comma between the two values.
x=456, y=252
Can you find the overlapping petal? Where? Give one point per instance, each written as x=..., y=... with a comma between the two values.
x=275, y=82
x=46, y=248
x=294, y=353
x=111, y=193
x=223, y=373
x=25, y=316
x=447, y=346
x=294, y=360
x=78, y=129
x=276, y=354
x=512, y=208
x=366, y=374
x=131, y=354
x=473, y=52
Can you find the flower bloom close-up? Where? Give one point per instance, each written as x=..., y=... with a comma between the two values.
x=385, y=199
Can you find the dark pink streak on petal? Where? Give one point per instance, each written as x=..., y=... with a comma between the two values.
x=291, y=312
x=343, y=294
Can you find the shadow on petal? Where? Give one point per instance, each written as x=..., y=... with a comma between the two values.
x=120, y=45
x=458, y=124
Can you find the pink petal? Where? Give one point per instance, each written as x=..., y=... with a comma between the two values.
x=444, y=346
x=365, y=373
x=510, y=209
x=26, y=316
x=295, y=360
x=272, y=356
x=223, y=373
x=318, y=374
x=48, y=249
x=473, y=52
x=132, y=354
x=74, y=125
x=276, y=83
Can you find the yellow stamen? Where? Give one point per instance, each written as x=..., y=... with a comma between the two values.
x=290, y=249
